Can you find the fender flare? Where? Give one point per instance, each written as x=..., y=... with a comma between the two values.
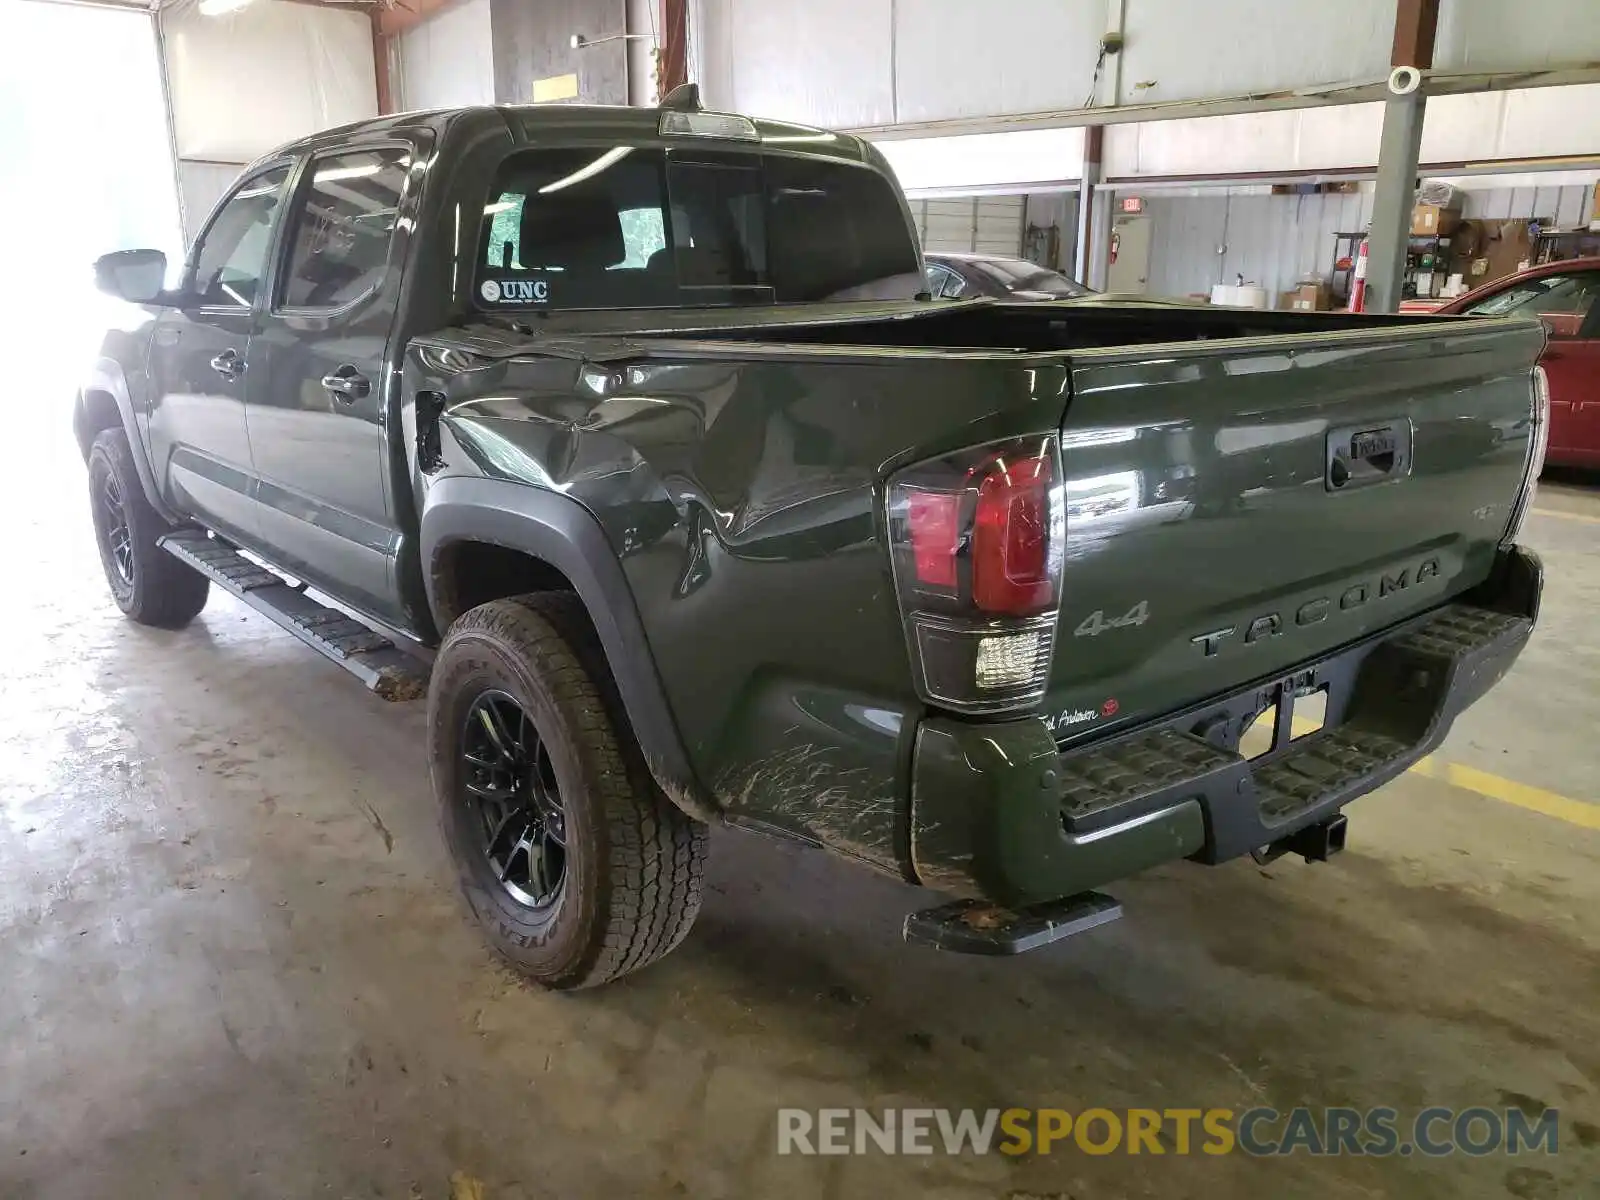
x=106, y=375
x=562, y=532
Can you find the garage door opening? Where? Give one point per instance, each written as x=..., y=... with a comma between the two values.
x=85, y=168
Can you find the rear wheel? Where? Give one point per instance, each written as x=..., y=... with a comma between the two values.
x=148, y=584
x=577, y=867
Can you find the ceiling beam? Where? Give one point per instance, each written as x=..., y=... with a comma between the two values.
x=1415, y=24
x=352, y=5
x=1438, y=83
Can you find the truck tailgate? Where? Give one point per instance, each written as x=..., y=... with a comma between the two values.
x=1237, y=508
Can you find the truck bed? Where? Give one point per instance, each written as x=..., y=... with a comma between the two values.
x=1207, y=542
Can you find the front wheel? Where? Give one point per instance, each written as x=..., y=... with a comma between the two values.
x=576, y=865
x=148, y=584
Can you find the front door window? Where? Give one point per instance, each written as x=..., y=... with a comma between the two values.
x=230, y=259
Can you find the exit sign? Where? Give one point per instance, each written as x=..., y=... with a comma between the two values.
x=1132, y=204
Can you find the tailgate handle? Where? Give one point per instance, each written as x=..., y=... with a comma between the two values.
x=1361, y=455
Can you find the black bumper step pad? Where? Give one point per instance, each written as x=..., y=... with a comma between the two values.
x=1389, y=702
x=1137, y=774
x=373, y=658
x=1324, y=762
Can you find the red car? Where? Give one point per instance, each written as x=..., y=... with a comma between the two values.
x=1566, y=297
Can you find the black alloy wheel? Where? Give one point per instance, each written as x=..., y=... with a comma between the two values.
x=510, y=784
x=147, y=583
x=114, y=528
x=576, y=865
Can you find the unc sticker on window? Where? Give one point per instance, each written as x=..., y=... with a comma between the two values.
x=515, y=291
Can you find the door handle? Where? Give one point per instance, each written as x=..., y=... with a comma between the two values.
x=228, y=364
x=347, y=384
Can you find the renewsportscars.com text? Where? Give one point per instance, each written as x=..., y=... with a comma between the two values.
x=1432, y=1132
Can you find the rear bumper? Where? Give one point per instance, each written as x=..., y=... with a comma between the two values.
x=998, y=812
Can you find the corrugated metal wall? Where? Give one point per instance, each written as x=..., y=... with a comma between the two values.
x=1058, y=211
x=1274, y=240
x=977, y=224
x=876, y=62
x=448, y=59
x=1567, y=206
x=1270, y=240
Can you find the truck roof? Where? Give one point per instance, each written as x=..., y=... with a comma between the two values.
x=537, y=122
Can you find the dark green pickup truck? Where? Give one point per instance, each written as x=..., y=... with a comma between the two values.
x=629, y=436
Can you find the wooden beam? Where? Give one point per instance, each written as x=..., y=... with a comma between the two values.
x=405, y=14
x=380, y=65
x=1416, y=22
x=674, y=52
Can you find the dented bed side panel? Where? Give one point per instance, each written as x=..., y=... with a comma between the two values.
x=741, y=498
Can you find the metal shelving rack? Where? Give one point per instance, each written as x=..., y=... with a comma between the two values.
x=1562, y=244
x=1339, y=277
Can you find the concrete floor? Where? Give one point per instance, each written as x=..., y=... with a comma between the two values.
x=234, y=965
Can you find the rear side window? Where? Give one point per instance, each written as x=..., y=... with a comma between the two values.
x=634, y=227
x=343, y=222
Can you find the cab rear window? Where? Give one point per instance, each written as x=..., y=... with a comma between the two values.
x=630, y=227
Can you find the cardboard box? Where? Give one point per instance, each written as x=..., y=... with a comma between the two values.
x=1507, y=246
x=1306, y=297
x=1429, y=220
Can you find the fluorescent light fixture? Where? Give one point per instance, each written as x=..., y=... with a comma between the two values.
x=612, y=155
x=503, y=206
x=218, y=8
x=578, y=42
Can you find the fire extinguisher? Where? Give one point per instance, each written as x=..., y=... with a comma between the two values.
x=1358, y=281
x=1116, y=244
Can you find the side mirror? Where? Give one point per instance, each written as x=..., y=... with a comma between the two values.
x=139, y=276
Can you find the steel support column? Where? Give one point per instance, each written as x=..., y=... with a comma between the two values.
x=1088, y=180
x=1392, y=200
x=1100, y=218
x=1415, y=24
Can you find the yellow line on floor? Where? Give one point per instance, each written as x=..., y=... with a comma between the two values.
x=1507, y=791
x=1566, y=516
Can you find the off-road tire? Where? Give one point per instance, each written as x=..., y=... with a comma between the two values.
x=634, y=861
x=158, y=589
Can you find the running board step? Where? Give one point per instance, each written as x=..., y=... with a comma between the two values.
x=372, y=658
x=978, y=927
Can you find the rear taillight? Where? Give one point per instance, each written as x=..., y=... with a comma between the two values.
x=978, y=542
x=1538, y=444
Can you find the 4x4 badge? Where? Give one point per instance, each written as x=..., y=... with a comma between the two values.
x=1096, y=623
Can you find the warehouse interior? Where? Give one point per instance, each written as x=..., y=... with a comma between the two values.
x=237, y=961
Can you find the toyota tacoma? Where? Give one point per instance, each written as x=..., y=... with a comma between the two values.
x=631, y=439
